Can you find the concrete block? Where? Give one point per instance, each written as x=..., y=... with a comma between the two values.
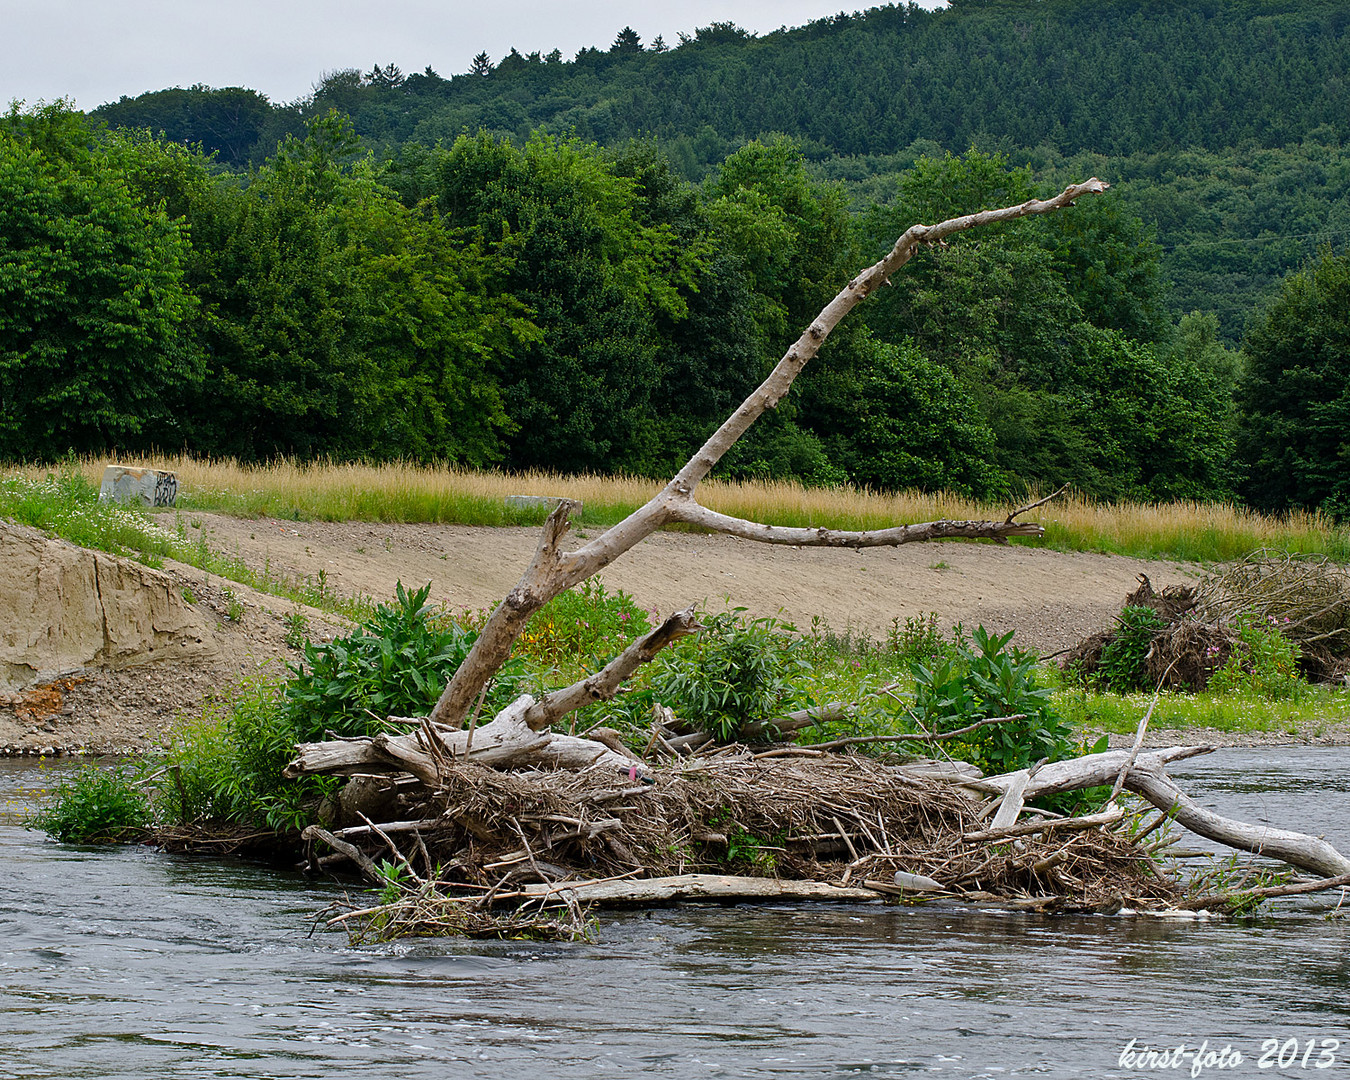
x=149, y=487
x=531, y=502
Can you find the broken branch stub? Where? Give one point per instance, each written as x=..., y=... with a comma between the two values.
x=553, y=571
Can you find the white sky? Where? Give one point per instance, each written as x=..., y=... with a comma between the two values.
x=95, y=51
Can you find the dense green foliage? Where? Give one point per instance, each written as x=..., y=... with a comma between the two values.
x=96, y=806
x=92, y=297
x=395, y=663
x=585, y=264
x=1117, y=77
x=737, y=671
x=1223, y=120
x=983, y=679
x=1122, y=666
x=1264, y=662
x=1296, y=394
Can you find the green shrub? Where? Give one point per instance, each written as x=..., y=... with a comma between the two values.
x=585, y=626
x=1263, y=662
x=225, y=764
x=1123, y=664
x=735, y=672
x=98, y=805
x=919, y=640
x=394, y=663
x=983, y=682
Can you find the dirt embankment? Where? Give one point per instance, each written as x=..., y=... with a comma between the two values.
x=126, y=699
x=102, y=653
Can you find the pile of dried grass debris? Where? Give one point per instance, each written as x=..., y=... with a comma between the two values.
x=1305, y=597
x=524, y=853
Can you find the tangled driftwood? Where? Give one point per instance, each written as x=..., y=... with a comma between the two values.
x=1306, y=596
x=512, y=813
x=486, y=843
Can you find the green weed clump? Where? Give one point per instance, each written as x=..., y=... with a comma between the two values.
x=98, y=805
x=735, y=672
x=1123, y=664
x=394, y=663
x=982, y=680
x=581, y=629
x=1263, y=662
x=224, y=766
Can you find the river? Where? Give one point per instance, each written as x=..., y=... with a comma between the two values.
x=122, y=962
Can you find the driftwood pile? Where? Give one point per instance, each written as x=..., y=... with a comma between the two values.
x=525, y=853
x=1305, y=597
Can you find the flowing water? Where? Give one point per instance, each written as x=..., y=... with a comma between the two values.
x=127, y=963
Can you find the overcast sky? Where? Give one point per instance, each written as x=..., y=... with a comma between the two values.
x=97, y=50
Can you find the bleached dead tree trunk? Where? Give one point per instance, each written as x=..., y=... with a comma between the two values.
x=1146, y=776
x=553, y=571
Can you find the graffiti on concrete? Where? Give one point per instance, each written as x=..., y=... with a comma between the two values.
x=166, y=488
x=149, y=487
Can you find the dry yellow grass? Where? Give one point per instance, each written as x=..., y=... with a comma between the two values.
x=408, y=492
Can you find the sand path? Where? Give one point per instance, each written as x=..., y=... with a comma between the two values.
x=1052, y=599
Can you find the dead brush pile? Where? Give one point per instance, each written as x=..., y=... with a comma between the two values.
x=1307, y=597
x=487, y=836
x=1196, y=630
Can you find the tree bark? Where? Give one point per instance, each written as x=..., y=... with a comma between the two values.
x=644, y=891
x=508, y=740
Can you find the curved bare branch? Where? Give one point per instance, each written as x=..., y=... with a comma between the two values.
x=552, y=571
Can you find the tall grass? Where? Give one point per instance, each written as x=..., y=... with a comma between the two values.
x=1189, y=531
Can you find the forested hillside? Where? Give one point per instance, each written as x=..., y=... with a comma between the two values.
x=1221, y=121
x=583, y=264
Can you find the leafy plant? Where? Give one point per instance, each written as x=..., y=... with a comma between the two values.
x=748, y=851
x=1122, y=667
x=918, y=640
x=234, y=609
x=586, y=625
x=737, y=671
x=297, y=629
x=226, y=763
x=95, y=806
x=1263, y=663
x=982, y=680
x=396, y=662
x=396, y=881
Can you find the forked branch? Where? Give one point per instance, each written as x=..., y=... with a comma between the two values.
x=554, y=571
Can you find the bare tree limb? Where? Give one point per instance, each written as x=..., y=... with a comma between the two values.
x=553, y=572
x=863, y=740
x=1146, y=776
x=1320, y=885
x=605, y=683
x=691, y=513
x=1297, y=849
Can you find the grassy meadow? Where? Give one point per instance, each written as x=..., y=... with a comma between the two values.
x=1187, y=531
